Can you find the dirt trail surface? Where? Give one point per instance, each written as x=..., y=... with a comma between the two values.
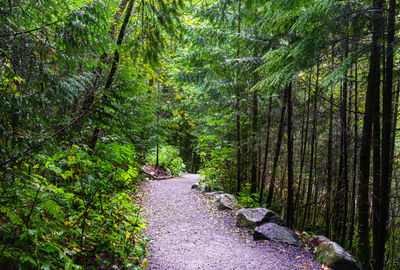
x=187, y=232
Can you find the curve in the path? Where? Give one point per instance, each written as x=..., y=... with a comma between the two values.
x=187, y=232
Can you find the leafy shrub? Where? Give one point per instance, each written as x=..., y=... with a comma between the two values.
x=209, y=180
x=73, y=209
x=248, y=199
x=168, y=158
x=217, y=163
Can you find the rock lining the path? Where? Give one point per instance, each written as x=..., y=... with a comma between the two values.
x=272, y=231
x=168, y=172
x=253, y=217
x=156, y=173
x=334, y=256
x=198, y=187
x=213, y=195
x=226, y=201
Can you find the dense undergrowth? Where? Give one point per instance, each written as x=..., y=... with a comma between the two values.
x=74, y=209
x=168, y=158
x=73, y=74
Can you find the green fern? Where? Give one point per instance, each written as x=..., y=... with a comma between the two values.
x=52, y=208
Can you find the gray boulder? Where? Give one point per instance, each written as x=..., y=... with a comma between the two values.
x=213, y=195
x=272, y=217
x=317, y=240
x=226, y=202
x=195, y=186
x=335, y=257
x=198, y=187
x=168, y=172
x=272, y=231
x=253, y=217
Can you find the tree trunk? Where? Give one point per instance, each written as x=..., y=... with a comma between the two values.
x=93, y=139
x=301, y=186
x=277, y=151
x=103, y=58
x=99, y=71
x=329, y=162
x=376, y=175
x=238, y=127
x=264, y=173
x=289, y=207
x=386, y=143
x=394, y=127
x=158, y=146
x=253, y=179
x=345, y=178
x=376, y=165
x=373, y=87
x=316, y=186
x=329, y=172
x=117, y=18
x=313, y=138
x=355, y=154
x=342, y=190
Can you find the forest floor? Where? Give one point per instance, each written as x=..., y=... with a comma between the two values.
x=186, y=231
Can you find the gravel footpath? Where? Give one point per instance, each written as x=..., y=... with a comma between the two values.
x=186, y=231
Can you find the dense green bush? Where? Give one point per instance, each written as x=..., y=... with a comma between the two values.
x=168, y=158
x=248, y=199
x=73, y=209
x=217, y=162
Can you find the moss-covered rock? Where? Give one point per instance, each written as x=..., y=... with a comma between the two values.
x=198, y=187
x=335, y=257
x=227, y=202
x=213, y=195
